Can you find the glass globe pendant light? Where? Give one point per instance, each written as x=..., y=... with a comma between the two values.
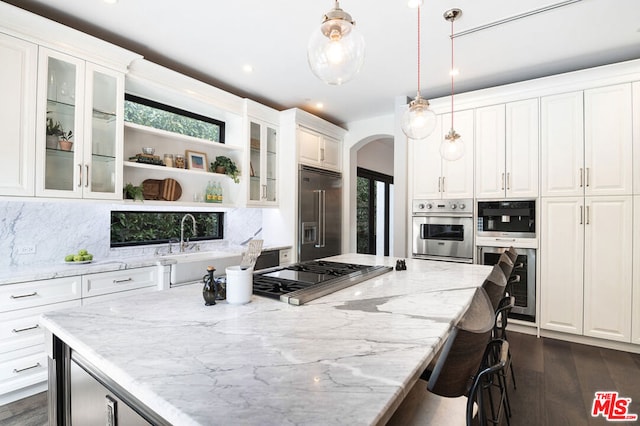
x=452, y=147
x=419, y=121
x=336, y=50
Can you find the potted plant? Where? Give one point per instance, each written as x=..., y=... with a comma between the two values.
x=227, y=166
x=65, y=140
x=132, y=192
x=54, y=130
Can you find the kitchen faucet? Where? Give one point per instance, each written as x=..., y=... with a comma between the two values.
x=182, y=242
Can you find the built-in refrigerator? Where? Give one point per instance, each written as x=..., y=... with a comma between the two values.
x=319, y=213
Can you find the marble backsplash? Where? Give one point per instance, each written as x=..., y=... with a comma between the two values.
x=57, y=228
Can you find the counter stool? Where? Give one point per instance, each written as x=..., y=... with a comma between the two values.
x=448, y=400
x=512, y=253
x=506, y=264
x=495, y=285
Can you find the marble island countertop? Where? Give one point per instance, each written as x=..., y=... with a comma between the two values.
x=346, y=358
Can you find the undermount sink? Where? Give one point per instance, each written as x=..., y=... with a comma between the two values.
x=191, y=267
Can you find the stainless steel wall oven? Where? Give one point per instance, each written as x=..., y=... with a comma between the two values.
x=443, y=230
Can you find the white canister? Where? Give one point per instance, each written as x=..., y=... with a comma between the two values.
x=239, y=285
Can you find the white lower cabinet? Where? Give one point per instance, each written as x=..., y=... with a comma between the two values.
x=586, y=266
x=118, y=283
x=635, y=304
x=23, y=362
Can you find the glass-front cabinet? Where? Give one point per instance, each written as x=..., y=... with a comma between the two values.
x=263, y=164
x=80, y=128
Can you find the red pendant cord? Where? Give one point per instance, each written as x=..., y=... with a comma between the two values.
x=418, y=50
x=452, y=73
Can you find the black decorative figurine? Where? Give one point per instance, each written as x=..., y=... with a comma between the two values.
x=210, y=289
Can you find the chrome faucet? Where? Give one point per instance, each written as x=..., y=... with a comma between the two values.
x=182, y=242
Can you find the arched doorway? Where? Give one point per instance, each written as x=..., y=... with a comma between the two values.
x=374, y=196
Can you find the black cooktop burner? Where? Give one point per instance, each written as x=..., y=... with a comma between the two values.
x=276, y=282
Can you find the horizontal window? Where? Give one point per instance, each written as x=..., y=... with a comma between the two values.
x=154, y=114
x=135, y=228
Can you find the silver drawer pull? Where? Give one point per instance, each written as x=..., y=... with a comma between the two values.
x=35, y=293
x=19, y=370
x=122, y=281
x=20, y=330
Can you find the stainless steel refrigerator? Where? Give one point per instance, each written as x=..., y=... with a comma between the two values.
x=319, y=212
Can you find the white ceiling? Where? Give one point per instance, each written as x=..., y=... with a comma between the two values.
x=212, y=40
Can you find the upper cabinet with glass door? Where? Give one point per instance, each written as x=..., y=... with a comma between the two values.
x=263, y=163
x=80, y=128
x=263, y=154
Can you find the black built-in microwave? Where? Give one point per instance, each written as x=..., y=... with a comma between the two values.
x=507, y=218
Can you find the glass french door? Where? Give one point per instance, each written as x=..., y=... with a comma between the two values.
x=373, y=205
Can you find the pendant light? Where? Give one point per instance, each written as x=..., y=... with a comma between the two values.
x=452, y=147
x=336, y=50
x=419, y=121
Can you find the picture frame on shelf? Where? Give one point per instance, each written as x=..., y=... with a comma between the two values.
x=196, y=160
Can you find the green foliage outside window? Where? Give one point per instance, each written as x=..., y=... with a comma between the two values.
x=130, y=228
x=159, y=116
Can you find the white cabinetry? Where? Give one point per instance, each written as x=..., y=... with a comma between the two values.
x=507, y=150
x=586, y=266
x=263, y=148
x=590, y=155
x=109, y=285
x=192, y=182
x=17, y=115
x=23, y=365
x=87, y=100
x=635, y=303
x=319, y=150
x=434, y=177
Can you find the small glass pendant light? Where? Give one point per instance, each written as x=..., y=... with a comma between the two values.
x=419, y=121
x=452, y=147
x=336, y=49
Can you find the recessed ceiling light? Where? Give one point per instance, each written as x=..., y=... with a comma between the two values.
x=247, y=68
x=319, y=105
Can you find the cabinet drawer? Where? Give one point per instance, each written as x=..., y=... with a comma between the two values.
x=25, y=369
x=21, y=329
x=113, y=282
x=38, y=293
x=111, y=296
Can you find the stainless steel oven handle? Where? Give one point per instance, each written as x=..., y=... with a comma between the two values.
x=511, y=240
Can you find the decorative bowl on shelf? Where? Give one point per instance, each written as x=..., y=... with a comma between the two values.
x=148, y=150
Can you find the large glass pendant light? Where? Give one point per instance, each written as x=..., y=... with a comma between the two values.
x=452, y=147
x=336, y=49
x=419, y=121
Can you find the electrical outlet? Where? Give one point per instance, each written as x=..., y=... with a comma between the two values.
x=27, y=250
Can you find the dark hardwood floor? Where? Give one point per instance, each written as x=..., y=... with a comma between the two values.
x=30, y=411
x=556, y=383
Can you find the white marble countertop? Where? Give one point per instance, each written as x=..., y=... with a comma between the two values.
x=20, y=274
x=346, y=358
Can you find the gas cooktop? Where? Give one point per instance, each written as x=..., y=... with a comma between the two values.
x=302, y=282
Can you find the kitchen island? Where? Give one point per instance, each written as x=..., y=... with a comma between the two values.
x=346, y=358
